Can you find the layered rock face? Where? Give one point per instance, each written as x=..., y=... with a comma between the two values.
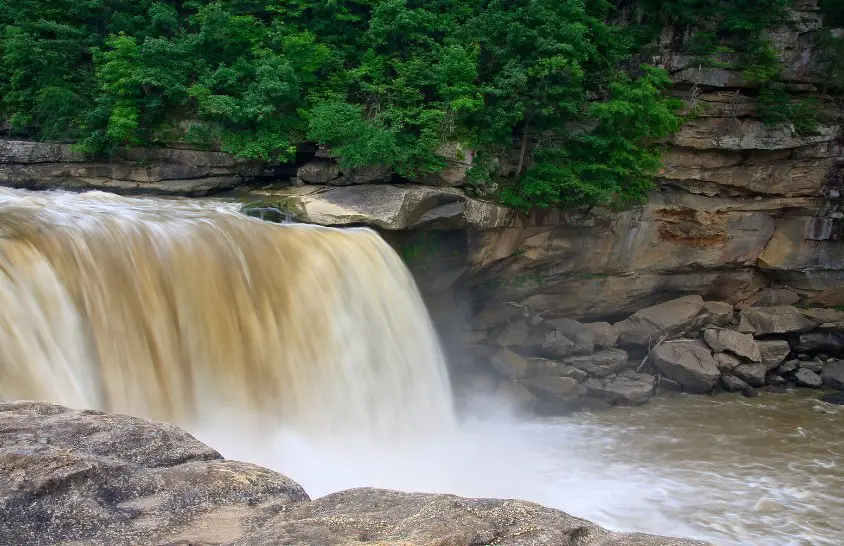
x=741, y=206
x=83, y=477
x=39, y=165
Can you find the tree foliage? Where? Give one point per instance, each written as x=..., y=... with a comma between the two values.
x=378, y=81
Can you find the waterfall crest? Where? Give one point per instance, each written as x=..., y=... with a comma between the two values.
x=173, y=309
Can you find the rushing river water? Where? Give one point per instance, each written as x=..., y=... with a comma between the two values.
x=767, y=471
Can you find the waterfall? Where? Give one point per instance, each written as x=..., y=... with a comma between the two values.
x=173, y=309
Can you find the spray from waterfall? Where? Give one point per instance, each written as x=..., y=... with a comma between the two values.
x=175, y=309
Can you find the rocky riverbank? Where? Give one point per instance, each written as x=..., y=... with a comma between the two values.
x=556, y=365
x=85, y=477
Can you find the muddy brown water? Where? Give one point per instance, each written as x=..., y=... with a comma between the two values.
x=761, y=471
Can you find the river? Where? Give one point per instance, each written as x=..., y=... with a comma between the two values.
x=766, y=471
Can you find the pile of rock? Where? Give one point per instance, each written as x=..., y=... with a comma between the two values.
x=686, y=344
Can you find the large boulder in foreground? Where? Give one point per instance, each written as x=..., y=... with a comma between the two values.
x=379, y=518
x=648, y=325
x=689, y=363
x=91, y=478
x=84, y=477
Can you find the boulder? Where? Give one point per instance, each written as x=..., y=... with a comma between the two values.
x=833, y=374
x=770, y=297
x=815, y=365
x=375, y=174
x=519, y=397
x=788, y=367
x=390, y=207
x=752, y=374
x=807, y=378
x=742, y=345
x=773, y=352
x=515, y=334
x=318, y=172
x=733, y=384
x=372, y=517
x=85, y=477
x=583, y=338
x=542, y=367
x=555, y=394
x=509, y=364
x=774, y=320
x=600, y=364
x=727, y=362
x=556, y=345
x=689, y=362
x=604, y=333
x=775, y=380
x=627, y=388
x=717, y=313
x=650, y=324
x=828, y=342
x=495, y=315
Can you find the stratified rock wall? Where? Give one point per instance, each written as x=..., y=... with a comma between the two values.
x=741, y=206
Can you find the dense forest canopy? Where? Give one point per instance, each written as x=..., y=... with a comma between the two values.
x=378, y=81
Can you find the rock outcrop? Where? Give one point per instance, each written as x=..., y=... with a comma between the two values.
x=84, y=477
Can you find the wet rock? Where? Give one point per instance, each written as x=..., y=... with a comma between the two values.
x=370, y=517
x=89, y=478
x=556, y=345
x=518, y=396
x=583, y=338
x=542, y=367
x=774, y=320
x=815, y=365
x=664, y=384
x=556, y=395
x=775, y=380
x=648, y=325
x=742, y=345
x=604, y=333
x=752, y=374
x=627, y=388
x=495, y=315
x=807, y=378
x=515, y=334
x=773, y=352
x=732, y=383
x=509, y=364
x=834, y=398
x=833, y=374
x=750, y=392
x=689, y=362
x=830, y=342
x=727, y=362
x=600, y=364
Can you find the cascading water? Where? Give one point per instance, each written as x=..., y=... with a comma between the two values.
x=176, y=310
x=308, y=350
